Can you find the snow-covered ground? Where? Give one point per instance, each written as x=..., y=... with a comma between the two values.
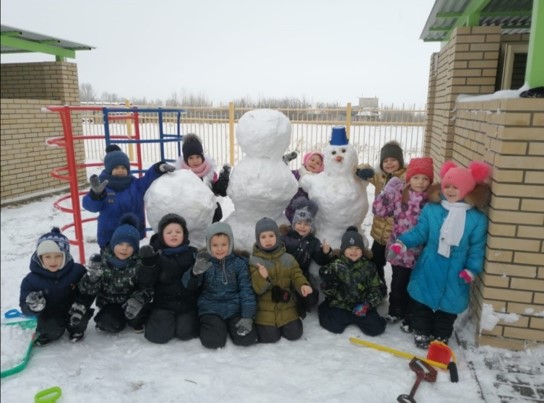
x=321, y=367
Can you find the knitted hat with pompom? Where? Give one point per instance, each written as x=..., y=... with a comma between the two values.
x=115, y=157
x=127, y=232
x=464, y=179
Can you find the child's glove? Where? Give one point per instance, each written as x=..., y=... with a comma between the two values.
x=132, y=308
x=361, y=309
x=35, y=301
x=243, y=326
x=94, y=267
x=287, y=158
x=96, y=186
x=202, y=263
x=77, y=312
x=148, y=255
x=225, y=172
x=467, y=275
x=365, y=173
x=164, y=167
x=395, y=249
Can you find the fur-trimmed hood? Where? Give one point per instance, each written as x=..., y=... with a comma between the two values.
x=479, y=197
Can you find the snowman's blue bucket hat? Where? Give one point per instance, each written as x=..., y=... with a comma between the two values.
x=339, y=136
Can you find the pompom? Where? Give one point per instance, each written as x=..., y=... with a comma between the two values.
x=130, y=219
x=301, y=202
x=189, y=138
x=446, y=167
x=352, y=228
x=480, y=171
x=112, y=147
x=55, y=230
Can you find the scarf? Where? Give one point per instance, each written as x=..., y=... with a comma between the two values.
x=199, y=171
x=175, y=251
x=453, y=227
x=121, y=264
x=117, y=183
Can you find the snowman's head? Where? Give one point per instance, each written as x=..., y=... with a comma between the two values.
x=340, y=159
x=264, y=133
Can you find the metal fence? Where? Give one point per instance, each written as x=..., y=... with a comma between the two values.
x=310, y=131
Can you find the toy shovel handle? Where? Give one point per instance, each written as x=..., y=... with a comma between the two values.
x=49, y=395
x=406, y=399
x=454, y=375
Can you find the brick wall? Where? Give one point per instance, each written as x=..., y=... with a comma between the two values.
x=507, y=133
x=26, y=161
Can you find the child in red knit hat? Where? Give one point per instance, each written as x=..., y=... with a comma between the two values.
x=453, y=232
x=403, y=202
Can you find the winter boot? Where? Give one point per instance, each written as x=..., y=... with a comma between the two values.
x=391, y=318
x=75, y=337
x=422, y=341
x=441, y=339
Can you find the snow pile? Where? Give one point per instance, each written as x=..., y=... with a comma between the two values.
x=490, y=318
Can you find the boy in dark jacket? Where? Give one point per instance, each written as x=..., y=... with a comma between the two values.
x=226, y=304
x=352, y=289
x=115, y=278
x=174, y=310
x=300, y=242
x=50, y=290
x=275, y=276
x=116, y=192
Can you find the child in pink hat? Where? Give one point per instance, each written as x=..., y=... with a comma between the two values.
x=312, y=164
x=452, y=230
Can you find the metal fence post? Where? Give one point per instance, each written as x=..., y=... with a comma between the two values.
x=231, y=133
x=348, y=118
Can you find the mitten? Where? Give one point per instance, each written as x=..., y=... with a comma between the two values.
x=395, y=249
x=148, y=255
x=365, y=173
x=164, y=167
x=132, y=308
x=224, y=175
x=76, y=313
x=289, y=157
x=361, y=309
x=202, y=263
x=35, y=301
x=96, y=186
x=94, y=267
x=243, y=326
x=467, y=275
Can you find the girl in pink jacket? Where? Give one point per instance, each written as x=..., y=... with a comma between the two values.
x=404, y=201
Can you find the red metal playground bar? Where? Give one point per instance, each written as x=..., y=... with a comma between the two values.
x=68, y=172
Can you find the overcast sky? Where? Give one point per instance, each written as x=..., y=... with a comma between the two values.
x=322, y=50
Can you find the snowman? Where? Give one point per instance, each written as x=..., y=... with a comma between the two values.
x=261, y=185
x=183, y=193
x=338, y=191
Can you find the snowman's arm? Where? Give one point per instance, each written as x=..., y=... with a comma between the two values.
x=305, y=182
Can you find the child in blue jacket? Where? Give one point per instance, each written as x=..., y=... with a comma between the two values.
x=454, y=232
x=116, y=192
x=227, y=303
x=50, y=290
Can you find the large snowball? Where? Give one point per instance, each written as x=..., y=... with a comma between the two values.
x=183, y=193
x=264, y=133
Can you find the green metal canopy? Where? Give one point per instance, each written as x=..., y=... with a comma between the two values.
x=15, y=40
x=513, y=16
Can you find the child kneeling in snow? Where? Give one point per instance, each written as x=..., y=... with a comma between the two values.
x=312, y=164
x=50, y=290
x=275, y=276
x=300, y=242
x=352, y=289
x=114, y=278
x=174, y=310
x=226, y=304
x=453, y=232
x=194, y=160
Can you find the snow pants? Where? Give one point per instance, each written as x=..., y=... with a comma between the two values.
x=336, y=320
x=163, y=325
x=271, y=334
x=399, y=299
x=378, y=257
x=427, y=322
x=53, y=323
x=111, y=318
x=214, y=330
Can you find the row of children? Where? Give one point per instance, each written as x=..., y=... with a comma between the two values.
x=168, y=289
